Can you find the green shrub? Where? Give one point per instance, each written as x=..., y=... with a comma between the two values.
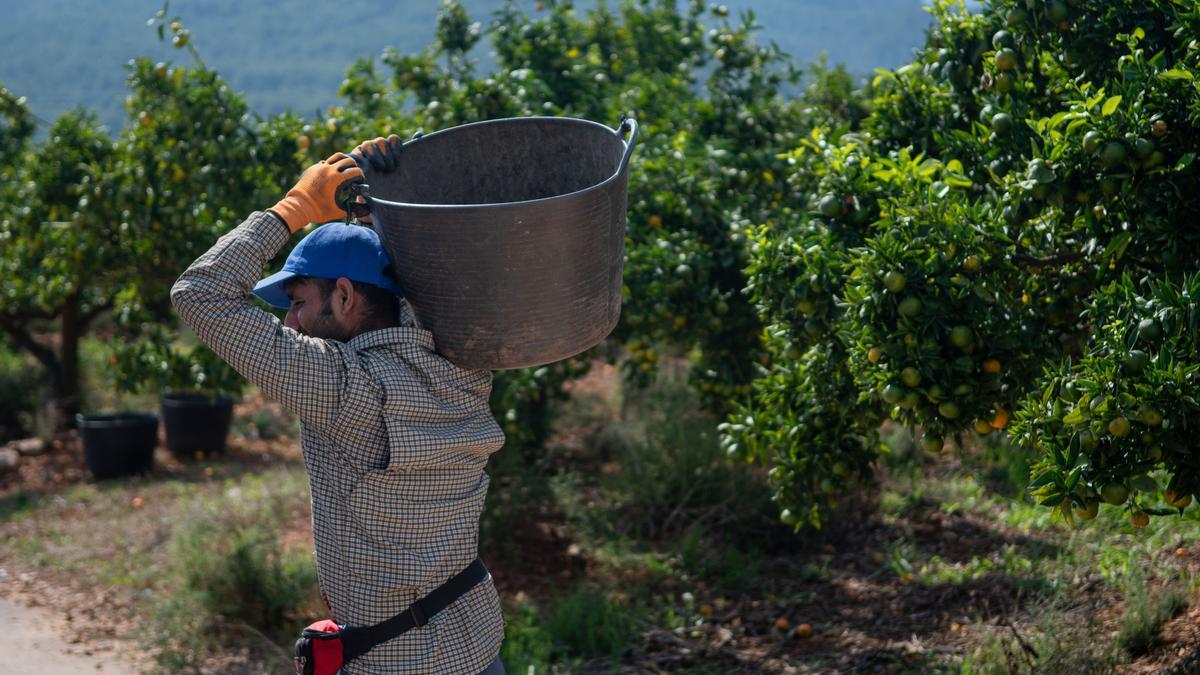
x=527, y=644
x=230, y=581
x=674, y=473
x=1057, y=642
x=993, y=246
x=1144, y=616
x=244, y=575
x=588, y=623
x=18, y=395
x=715, y=561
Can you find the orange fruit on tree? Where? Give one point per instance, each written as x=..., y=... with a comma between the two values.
x=949, y=410
x=1177, y=499
x=1089, y=511
x=991, y=367
x=1119, y=426
x=1114, y=493
x=1000, y=419
x=1005, y=59
x=1139, y=519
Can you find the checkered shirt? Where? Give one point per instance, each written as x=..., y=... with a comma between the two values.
x=395, y=441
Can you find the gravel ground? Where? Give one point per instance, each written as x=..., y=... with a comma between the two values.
x=36, y=645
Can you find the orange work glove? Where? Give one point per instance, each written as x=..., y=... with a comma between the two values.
x=383, y=154
x=313, y=200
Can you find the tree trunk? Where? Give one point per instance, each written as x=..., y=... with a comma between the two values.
x=65, y=402
x=61, y=364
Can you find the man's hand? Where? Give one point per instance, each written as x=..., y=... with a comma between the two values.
x=313, y=199
x=383, y=154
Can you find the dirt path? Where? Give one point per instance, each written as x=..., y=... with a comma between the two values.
x=36, y=645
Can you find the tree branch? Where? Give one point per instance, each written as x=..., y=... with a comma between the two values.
x=1060, y=259
x=21, y=336
x=90, y=315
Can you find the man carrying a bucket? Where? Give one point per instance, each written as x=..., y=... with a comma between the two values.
x=395, y=437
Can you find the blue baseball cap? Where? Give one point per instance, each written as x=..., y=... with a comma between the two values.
x=331, y=251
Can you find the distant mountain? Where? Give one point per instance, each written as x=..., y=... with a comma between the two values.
x=287, y=54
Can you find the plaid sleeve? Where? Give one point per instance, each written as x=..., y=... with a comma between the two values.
x=212, y=297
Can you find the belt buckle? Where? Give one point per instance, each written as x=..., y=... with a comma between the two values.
x=418, y=615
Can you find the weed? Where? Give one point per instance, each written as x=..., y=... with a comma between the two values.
x=719, y=563
x=527, y=644
x=588, y=623
x=20, y=394
x=15, y=505
x=674, y=474
x=230, y=580
x=1057, y=642
x=1005, y=466
x=1144, y=616
x=519, y=492
x=267, y=423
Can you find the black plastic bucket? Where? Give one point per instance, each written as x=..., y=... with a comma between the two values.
x=508, y=236
x=196, y=425
x=118, y=445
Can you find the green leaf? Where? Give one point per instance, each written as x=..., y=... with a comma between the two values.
x=983, y=293
x=1043, y=480
x=1055, y=498
x=1110, y=106
x=1185, y=161
x=1075, y=417
x=1177, y=74
x=1144, y=483
x=1117, y=245
x=1075, y=124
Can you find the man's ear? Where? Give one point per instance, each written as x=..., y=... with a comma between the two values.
x=343, y=299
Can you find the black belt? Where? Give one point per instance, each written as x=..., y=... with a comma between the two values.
x=349, y=642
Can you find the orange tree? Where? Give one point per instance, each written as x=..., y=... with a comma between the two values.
x=1009, y=238
x=57, y=259
x=194, y=164
x=707, y=166
x=93, y=224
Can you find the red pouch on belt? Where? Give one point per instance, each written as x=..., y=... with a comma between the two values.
x=319, y=650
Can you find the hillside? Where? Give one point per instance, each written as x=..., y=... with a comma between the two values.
x=285, y=54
